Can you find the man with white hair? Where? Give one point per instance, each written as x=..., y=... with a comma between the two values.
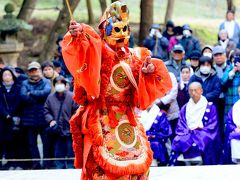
x=197, y=128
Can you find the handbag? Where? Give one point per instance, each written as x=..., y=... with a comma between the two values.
x=16, y=120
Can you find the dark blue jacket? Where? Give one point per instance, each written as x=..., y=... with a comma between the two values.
x=211, y=86
x=158, y=47
x=34, y=96
x=190, y=44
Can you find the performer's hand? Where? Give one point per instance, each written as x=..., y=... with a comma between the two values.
x=74, y=28
x=148, y=67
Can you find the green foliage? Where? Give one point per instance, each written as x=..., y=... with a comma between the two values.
x=205, y=34
x=204, y=16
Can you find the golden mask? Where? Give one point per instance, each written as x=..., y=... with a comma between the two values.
x=116, y=27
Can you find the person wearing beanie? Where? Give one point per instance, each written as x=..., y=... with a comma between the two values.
x=10, y=104
x=194, y=59
x=168, y=33
x=207, y=51
x=207, y=76
x=176, y=38
x=48, y=72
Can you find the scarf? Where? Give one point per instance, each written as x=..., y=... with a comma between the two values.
x=224, y=43
x=229, y=26
x=220, y=69
x=8, y=86
x=236, y=113
x=195, y=112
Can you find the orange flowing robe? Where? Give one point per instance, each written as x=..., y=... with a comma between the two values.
x=109, y=141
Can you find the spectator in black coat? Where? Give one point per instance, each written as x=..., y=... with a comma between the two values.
x=168, y=33
x=9, y=109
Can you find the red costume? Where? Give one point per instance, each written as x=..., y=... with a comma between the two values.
x=109, y=81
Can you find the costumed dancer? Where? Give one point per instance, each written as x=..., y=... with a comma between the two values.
x=109, y=81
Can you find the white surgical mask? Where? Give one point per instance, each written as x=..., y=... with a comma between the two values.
x=187, y=33
x=60, y=87
x=207, y=54
x=205, y=69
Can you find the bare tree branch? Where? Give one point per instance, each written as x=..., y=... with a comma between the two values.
x=59, y=27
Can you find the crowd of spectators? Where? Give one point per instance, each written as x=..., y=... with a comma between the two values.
x=198, y=117
x=36, y=106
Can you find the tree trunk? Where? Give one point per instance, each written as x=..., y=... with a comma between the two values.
x=103, y=5
x=27, y=9
x=169, y=12
x=231, y=5
x=58, y=28
x=146, y=19
x=90, y=12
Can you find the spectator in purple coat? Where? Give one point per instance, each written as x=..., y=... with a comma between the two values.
x=197, y=129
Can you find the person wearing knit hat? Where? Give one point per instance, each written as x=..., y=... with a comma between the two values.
x=176, y=38
x=168, y=33
x=194, y=59
x=207, y=51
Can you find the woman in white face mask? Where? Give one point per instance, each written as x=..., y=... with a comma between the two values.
x=60, y=84
x=205, y=68
x=58, y=109
x=206, y=64
x=207, y=76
